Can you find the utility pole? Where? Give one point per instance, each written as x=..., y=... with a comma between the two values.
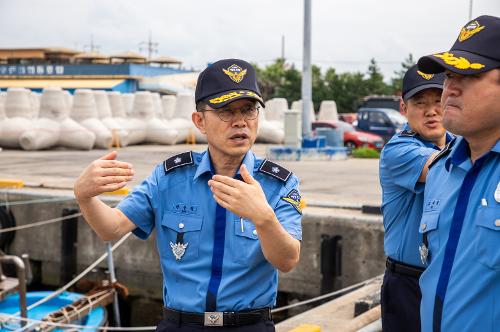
x=149, y=46
x=306, y=72
x=92, y=47
x=470, y=10
x=283, y=47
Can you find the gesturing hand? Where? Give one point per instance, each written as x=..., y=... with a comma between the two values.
x=245, y=199
x=103, y=175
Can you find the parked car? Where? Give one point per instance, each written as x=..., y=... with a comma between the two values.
x=380, y=121
x=381, y=101
x=352, y=138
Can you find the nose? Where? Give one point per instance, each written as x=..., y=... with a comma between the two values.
x=238, y=120
x=451, y=86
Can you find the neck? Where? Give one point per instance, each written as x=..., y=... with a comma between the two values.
x=481, y=145
x=441, y=142
x=225, y=164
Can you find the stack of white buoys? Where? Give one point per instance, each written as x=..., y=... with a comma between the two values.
x=168, y=104
x=135, y=127
x=19, y=116
x=105, y=115
x=157, y=131
x=271, y=121
x=84, y=111
x=182, y=119
x=54, y=127
x=328, y=111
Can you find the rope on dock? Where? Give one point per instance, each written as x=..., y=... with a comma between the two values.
x=325, y=296
x=40, y=223
x=37, y=201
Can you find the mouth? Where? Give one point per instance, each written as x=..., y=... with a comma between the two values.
x=239, y=137
x=432, y=123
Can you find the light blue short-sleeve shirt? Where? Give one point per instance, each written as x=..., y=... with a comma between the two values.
x=461, y=219
x=177, y=199
x=401, y=164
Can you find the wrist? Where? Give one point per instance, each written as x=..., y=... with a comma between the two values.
x=265, y=217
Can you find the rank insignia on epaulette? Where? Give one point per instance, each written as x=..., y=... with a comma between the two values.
x=293, y=197
x=442, y=153
x=178, y=160
x=275, y=170
x=408, y=133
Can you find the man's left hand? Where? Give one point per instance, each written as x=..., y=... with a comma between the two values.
x=245, y=199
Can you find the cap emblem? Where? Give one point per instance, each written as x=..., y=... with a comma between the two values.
x=469, y=30
x=235, y=73
x=459, y=63
x=424, y=75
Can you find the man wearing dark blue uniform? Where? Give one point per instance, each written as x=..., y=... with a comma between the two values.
x=226, y=221
x=461, y=217
x=403, y=169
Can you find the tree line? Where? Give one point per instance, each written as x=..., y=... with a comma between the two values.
x=283, y=80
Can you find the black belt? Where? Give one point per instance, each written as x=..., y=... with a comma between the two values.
x=218, y=318
x=404, y=269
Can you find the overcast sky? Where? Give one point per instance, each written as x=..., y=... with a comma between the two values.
x=345, y=34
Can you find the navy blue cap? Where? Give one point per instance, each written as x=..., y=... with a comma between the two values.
x=476, y=50
x=415, y=81
x=226, y=81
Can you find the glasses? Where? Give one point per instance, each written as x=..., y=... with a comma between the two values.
x=249, y=112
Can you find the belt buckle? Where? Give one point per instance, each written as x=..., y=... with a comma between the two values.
x=214, y=318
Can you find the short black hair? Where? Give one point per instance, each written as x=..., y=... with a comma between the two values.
x=200, y=106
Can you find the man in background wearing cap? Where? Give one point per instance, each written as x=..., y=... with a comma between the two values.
x=403, y=169
x=226, y=221
x=461, y=217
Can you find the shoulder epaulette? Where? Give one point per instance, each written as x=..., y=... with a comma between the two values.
x=442, y=153
x=408, y=133
x=178, y=160
x=275, y=170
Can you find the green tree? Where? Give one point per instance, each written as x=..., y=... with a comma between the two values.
x=375, y=81
x=397, y=80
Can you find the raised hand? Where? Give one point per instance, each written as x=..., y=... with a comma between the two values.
x=245, y=199
x=105, y=174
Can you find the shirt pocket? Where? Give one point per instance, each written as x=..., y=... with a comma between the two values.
x=429, y=229
x=488, y=236
x=187, y=225
x=246, y=245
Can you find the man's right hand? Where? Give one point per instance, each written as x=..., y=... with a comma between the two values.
x=103, y=175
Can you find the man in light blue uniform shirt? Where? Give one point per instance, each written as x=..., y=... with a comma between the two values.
x=461, y=217
x=226, y=221
x=403, y=169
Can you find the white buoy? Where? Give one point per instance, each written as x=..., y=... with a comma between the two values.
x=105, y=115
x=328, y=111
x=84, y=111
x=168, y=105
x=297, y=105
x=18, y=103
x=2, y=105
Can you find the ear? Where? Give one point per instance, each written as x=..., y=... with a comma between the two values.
x=403, y=108
x=199, y=121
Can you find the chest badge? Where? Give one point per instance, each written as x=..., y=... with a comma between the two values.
x=178, y=249
x=497, y=193
x=424, y=253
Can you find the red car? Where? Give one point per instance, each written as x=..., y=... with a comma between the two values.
x=352, y=138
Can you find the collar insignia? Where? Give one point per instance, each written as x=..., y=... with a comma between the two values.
x=424, y=75
x=293, y=197
x=469, y=30
x=235, y=73
x=459, y=63
x=178, y=160
x=275, y=170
